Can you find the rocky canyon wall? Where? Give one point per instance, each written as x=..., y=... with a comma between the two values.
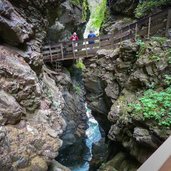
x=114, y=80
x=30, y=101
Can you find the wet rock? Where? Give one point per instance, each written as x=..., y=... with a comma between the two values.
x=10, y=110
x=99, y=154
x=56, y=166
x=13, y=24
x=69, y=21
x=74, y=113
x=122, y=86
x=119, y=162
x=25, y=87
x=143, y=137
x=38, y=164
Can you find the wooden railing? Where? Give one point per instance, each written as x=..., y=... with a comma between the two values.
x=160, y=160
x=155, y=24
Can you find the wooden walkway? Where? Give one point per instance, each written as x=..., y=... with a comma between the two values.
x=160, y=160
x=154, y=24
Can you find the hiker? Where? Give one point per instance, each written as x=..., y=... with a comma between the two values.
x=91, y=42
x=91, y=35
x=74, y=38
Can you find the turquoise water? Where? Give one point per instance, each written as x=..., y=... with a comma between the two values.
x=93, y=136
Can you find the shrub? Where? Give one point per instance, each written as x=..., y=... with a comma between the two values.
x=155, y=105
x=147, y=6
x=79, y=64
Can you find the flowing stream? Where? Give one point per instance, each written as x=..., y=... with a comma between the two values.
x=93, y=133
x=93, y=136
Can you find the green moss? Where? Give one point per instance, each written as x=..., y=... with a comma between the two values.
x=85, y=10
x=79, y=64
x=76, y=2
x=77, y=89
x=149, y=5
x=84, y=5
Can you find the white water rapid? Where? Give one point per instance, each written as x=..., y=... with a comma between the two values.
x=93, y=136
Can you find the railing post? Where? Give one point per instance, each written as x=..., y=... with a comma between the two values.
x=62, y=52
x=99, y=43
x=73, y=49
x=168, y=21
x=136, y=31
x=86, y=48
x=121, y=36
x=149, y=27
x=51, y=59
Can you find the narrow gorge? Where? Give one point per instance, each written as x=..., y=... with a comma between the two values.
x=108, y=112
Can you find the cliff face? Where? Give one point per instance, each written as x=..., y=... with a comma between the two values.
x=114, y=80
x=30, y=102
x=30, y=110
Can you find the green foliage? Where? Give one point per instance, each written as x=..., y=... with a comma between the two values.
x=75, y=2
x=99, y=14
x=85, y=9
x=160, y=40
x=147, y=6
x=167, y=80
x=168, y=54
x=77, y=89
x=142, y=49
x=84, y=5
x=149, y=49
x=156, y=106
x=79, y=64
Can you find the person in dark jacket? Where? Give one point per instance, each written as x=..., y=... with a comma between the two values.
x=91, y=35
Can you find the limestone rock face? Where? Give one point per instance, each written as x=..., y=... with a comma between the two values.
x=124, y=6
x=10, y=110
x=74, y=112
x=30, y=117
x=13, y=24
x=19, y=79
x=31, y=103
x=23, y=24
x=69, y=21
x=120, y=77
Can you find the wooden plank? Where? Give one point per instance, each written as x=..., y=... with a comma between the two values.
x=149, y=27
x=167, y=165
x=136, y=31
x=86, y=48
x=73, y=49
x=83, y=48
x=51, y=51
x=158, y=158
x=52, y=46
x=62, y=52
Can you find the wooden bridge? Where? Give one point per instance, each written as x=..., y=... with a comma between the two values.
x=155, y=24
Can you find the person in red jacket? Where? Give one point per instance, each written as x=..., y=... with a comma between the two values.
x=74, y=37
